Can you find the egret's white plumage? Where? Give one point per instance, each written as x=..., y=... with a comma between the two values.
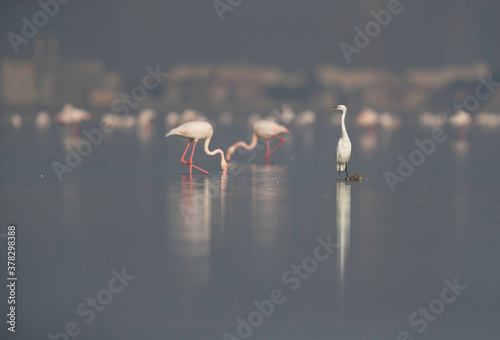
x=263, y=129
x=344, y=144
x=195, y=131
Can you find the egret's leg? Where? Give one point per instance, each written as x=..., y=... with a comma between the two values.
x=191, y=162
x=347, y=175
x=268, y=152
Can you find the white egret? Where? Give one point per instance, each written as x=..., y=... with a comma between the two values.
x=344, y=144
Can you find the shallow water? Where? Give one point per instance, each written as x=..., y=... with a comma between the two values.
x=202, y=249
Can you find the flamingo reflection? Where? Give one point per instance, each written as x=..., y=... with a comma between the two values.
x=270, y=239
x=191, y=207
x=189, y=220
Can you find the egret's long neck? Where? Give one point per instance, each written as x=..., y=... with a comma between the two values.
x=344, y=131
x=250, y=146
x=211, y=153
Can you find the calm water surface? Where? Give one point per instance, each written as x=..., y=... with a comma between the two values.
x=199, y=255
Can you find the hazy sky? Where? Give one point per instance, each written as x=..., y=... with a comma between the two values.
x=129, y=35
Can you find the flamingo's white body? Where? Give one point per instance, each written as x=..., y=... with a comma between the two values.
x=172, y=119
x=389, y=121
x=194, y=131
x=144, y=121
x=344, y=144
x=43, y=121
x=367, y=117
x=430, y=120
x=461, y=120
x=16, y=121
x=118, y=122
x=190, y=115
x=305, y=119
x=72, y=115
x=487, y=120
x=263, y=129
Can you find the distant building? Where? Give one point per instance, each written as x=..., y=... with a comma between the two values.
x=45, y=80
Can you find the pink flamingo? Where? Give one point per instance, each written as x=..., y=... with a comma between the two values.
x=461, y=120
x=194, y=131
x=264, y=129
x=71, y=115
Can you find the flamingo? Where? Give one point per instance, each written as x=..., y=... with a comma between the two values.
x=389, y=121
x=430, y=120
x=226, y=117
x=43, y=121
x=194, y=131
x=71, y=115
x=172, y=119
x=190, y=115
x=263, y=129
x=368, y=117
x=305, y=119
x=16, y=121
x=144, y=120
x=344, y=144
x=488, y=120
x=461, y=120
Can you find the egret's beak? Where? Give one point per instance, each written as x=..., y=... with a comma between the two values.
x=333, y=108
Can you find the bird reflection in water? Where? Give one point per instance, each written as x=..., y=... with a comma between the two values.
x=71, y=208
x=191, y=219
x=267, y=203
x=192, y=215
x=343, y=235
x=268, y=220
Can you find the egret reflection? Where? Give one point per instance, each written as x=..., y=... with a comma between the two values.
x=343, y=234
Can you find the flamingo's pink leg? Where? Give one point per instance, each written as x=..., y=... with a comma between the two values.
x=283, y=140
x=268, y=152
x=182, y=158
x=462, y=132
x=191, y=162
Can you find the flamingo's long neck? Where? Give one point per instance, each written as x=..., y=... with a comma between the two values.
x=212, y=153
x=250, y=146
x=344, y=131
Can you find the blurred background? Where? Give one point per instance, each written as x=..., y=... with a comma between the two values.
x=262, y=54
x=204, y=247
